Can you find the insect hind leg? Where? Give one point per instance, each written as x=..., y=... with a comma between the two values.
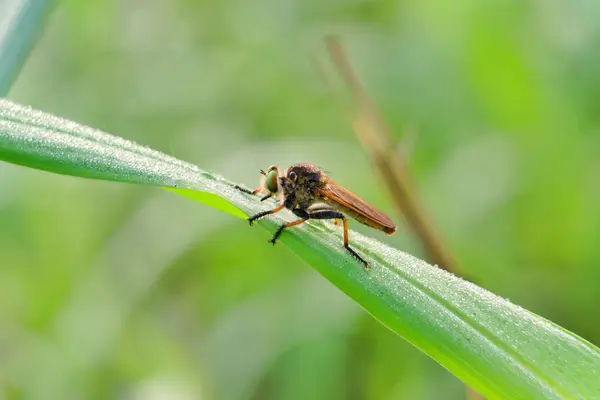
x=332, y=214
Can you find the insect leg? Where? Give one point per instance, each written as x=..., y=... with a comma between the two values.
x=287, y=225
x=347, y=246
x=264, y=213
x=332, y=214
x=253, y=192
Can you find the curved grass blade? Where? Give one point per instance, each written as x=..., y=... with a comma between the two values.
x=19, y=37
x=498, y=348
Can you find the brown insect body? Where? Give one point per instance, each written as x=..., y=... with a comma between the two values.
x=301, y=193
x=313, y=186
x=308, y=192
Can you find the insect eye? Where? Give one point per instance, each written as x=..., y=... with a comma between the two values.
x=292, y=175
x=271, y=181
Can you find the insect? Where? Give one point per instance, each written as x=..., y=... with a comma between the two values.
x=307, y=191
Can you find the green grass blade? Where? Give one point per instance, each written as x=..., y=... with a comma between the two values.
x=20, y=37
x=496, y=347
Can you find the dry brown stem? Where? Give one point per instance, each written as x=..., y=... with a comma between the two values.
x=375, y=137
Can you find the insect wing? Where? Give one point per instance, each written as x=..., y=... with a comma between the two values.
x=346, y=198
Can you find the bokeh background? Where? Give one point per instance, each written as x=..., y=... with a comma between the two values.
x=116, y=291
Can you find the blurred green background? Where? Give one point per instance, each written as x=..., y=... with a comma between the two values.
x=117, y=291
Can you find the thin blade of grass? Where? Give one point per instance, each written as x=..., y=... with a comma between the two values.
x=498, y=348
x=19, y=37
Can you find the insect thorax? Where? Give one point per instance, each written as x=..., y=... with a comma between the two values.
x=300, y=195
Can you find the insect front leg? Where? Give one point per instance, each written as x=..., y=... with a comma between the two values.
x=332, y=214
x=268, y=196
x=254, y=192
x=242, y=189
x=257, y=190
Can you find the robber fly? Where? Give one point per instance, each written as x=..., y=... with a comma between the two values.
x=307, y=191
